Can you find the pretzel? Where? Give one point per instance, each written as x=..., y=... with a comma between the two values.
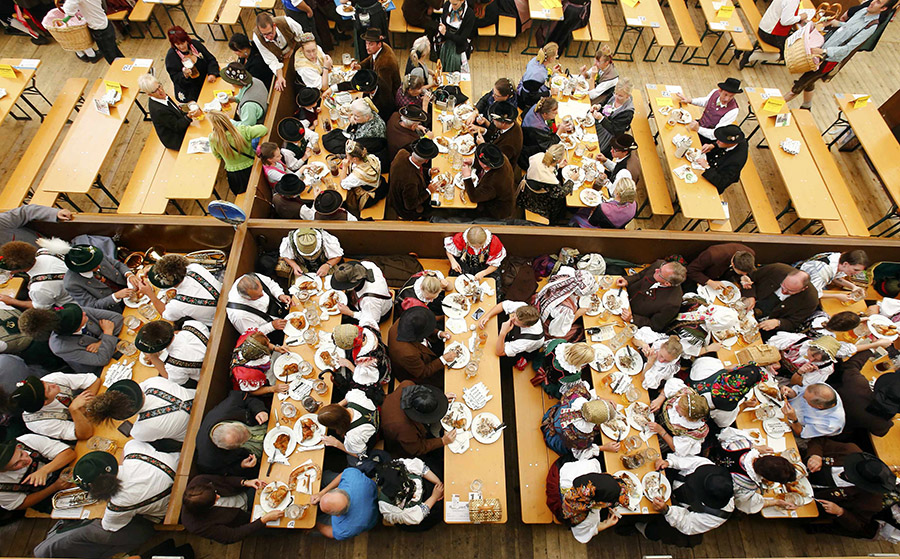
x=827, y=12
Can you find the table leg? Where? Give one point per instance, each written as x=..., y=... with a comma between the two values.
x=806, y=227
x=67, y=200
x=181, y=8
x=891, y=231
x=201, y=207
x=629, y=55
x=891, y=213
x=98, y=182
x=162, y=34
x=702, y=60
x=650, y=46
x=677, y=208
x=839, y=121
x=143, y=110
x=25, y=115
x=177, y=207
x=745, y=222
x=675, y=51
x=213, y=34
x=529, y=49
x=637, y=214
x=33, y=90
x=724, y=52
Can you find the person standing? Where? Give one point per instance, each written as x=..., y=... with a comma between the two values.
x=248, y=54
x=719, y=109
x=169, y=121
x=725, y=159
x=494, y=191
x=410, y=189
x=101, y=29
x=277, y=39
x=189, y=63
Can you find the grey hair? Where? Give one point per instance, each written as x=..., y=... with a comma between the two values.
x=359, y=106
x=822, y=396
x=344, y=510
x=246, y=283
x=147, y=83
x=220, y=435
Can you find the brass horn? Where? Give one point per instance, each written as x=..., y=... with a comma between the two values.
x=134, y=260
x=154, y=254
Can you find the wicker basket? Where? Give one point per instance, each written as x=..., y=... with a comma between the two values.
x=71, y=37
x=485, y=510
x=797, y=60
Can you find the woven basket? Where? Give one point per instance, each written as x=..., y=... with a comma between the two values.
x=797, y=59
x=71, y=37
x=485, y=510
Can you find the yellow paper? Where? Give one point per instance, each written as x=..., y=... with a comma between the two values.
x=115, y=86
x=664, y=102
x=7, y=71
x=773, y=105
x=226, y=91
x=860, y=101
x=547, y=4
x=725, y=12
x=631, y=3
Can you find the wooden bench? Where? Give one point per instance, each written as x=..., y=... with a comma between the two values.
x=653, y=177
x=760, y=208
x=153, y=159
x=689, y=38
x=751, y=12
x=397, y=24
x=141, y=14
x=534, y=456
x=536, y=218
x=506, y=28
x=375, y=211
x=852, y=220
x=581, y=38
x=488, y=31
x=207, y=14
x=19, y=183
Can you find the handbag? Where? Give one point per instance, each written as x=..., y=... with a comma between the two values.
x=762, y=355
x=283, y=269
x=485, y=510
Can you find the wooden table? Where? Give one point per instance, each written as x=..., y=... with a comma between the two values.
x=193, y=175
x=76, y=166
x=699, y=200
x=834, y=306
x=232, y=11
x=887, y=447
x=484, y=462
x=809, y=195
x=718, y=26
x=280, y=472
x=541, y=16
x=442, y=161
x=613, y=460
x=16, y=87
x=12, y=287
x=644, y=14
x=591, y=148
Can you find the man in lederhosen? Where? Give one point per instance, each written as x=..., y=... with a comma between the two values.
x=257, y=301
x=521, y=332
x=28, y=470
x=175, y=351
x=83, y=338
x=53, y=406
x=45, y=269
x=367, y=291
x=315, y=251
x=97, y=281
x=163, y=409
x=196, y=290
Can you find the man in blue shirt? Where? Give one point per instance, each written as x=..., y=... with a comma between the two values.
x=351, y=502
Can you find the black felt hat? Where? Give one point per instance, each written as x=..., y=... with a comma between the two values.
x=489, y=155
x=424, y=403
x=327, y=202
x=308, y=96
x=413, y=113
x=291, y=129
x=416, y=323
x=425, y=148
x=364, y=80
x=606, y=487
x=504, y=111
x=624, y=142
x=712, y=484
x=731, y=85
x=70, y=317
x=290, y=185
x=373, y=34
x=730, y=134
x=870, y=474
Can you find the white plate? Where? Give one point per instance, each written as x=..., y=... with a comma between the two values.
x=439, y=141
x=146, y=362
x=663, y=481
x=727, y=337
x=461, y=443
x=141, y=302
x=601, y=351
x=264, y=502
x=612, y=296
x=289, y=330
x=464, y=355
x=345, y=10
x=685, y=117
x=637, y=362
x=615, y=434
x=630, y=415
x=587, y=121
x=568, y=142
x=460, y=183
x=298, y=431
x=269, y=441
x=299, y=388
x=315, y=170
x=461, y=307
x=806, y=490
x=876, y=319
x=573, y=173
x=281, y=361
x=306, y=280
x=338, y=296
x=458, y=142
x=637, y=492
x=456, y=411
x=735, y=293
x=587, y=301
x=465, y=284
x=334, y=351
x=494, y=420
x=590, y=197
x=775, y=428
x=763, y=398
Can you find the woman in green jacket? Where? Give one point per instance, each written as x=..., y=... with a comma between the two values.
x=231, y=144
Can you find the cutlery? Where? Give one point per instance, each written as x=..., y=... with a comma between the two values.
x=500, y=427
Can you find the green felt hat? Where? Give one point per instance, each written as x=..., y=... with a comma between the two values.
x=154, y=336
x=132, y=391
x=29, y=394
x=70, y=317
x=83, y=258
x=91, y=466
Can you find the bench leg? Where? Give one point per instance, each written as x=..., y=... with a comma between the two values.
x=637, y=214
x=745, y=222
x=201, y=208
x=509, y=41
x=675, y=51
x=787, y=208
x=67, y=200
x=213, y=33
x=577, y=50
x=529, y=48
x=629, y=55
x=677, y=209
x=891, y=231
x=24, y=116
x=890, y=213
x=694, y=59
x=162, y=34
x=806, y=227
x=650, y=46
x=178, y=207
x=98, y=182
x=724, y=52
x=488, y=49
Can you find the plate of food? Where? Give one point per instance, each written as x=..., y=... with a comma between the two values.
x=633, y=489
x=308, y=430
x=486, y=428
x=592, y=303
x=280, y=439
x=315, y=170
x=328, y=358
x=800, y=487
x=345, y=10
x=443, y=144
x=275, y=496
x=729, y=293
x=456, y=305
x=464, y=144
x=629, y=360
x=656, y=486
x=303, y=476
x=287, y=365
x=458, y=417
x=615, y=302
x=460, y=183
x=638, y=415
x=603, y=358
x=768, y=392
x=462, y=111
x=296, y=324
x=568, y=141
x=330, y=300
x=136, y=299
x=882, y=327
x=684, y=117
x=145, y=361
x=590, y=197
x=665, y=110
x=308, y=282
x=464, y=355
x=616, y=429
x=466, y=284
x=692, y=153
x=775, y=428
x=587, y=120
x=727, y=337
x=573, y=173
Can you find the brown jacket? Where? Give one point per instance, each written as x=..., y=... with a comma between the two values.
x=714, y=263
x=398, y=137
x=793, y=310
x=407, y=193
x=495, y=192
x=656, y=308
x=856, y=395
x=414, y=361
x=510, y=143
x=386, y=66
x=293, y=41
x=221, y=524
x=403, y=437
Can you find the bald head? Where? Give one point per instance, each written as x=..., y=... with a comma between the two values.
x=795, y=282
x=335, y=503
x=820, y=396
x=249, y=287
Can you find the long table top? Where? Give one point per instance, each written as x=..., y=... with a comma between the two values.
x=887, y=447
x=442, y=161
x=15, y=86
x=539, y=12
x=732, y=24
x=648, y=13
x=800, y=174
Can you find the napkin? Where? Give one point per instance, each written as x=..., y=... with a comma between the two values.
x=301, y=448
x=456, y=325
x=486, y=288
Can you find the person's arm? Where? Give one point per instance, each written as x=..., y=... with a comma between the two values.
x=788, y=15
x=17, y=303
x=273, y=62
x=253, y=132
x=175, y=69
x=484, y=192
x=838, y=53
x=727, y=118
x=23, y=215
x=250, y=114
x=41, y=494
x=701, y=101
x=724, y=173
x=212, y=65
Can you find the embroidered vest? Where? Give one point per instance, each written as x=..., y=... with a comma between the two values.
x=713, y=113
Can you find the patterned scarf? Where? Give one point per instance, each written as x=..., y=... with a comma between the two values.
x=183, y=55
x=728, y=387
x=578, y=502
x=561, y=288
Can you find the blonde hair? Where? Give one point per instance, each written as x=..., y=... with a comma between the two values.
x=431, y=284
x=476, y=236
x=420, y=49
x=579, y=354
x=625, y=190
x=624, y=85
x=549, y=50
x=673, y=347
x=545, y=105
x=222, y=128
x=553, y=155
x=603, y=53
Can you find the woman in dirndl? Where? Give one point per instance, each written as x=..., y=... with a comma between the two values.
x=560, y=365
x=573, y=424
x=680, y=419
x=455, y=33
x=250, y=361
x=475, y=251
x=558, y=303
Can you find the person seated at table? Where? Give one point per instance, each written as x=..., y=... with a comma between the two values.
x=503, y=92
x=542, y=116
x=494, y=192
x=702, y=500
x=416, y=347
x=521, y=333
x=869, y=409
x=732, y=262
x=623, y=159
x=277, y=38
x=820, y=324
x=561, y=364
x=408, y=493
x=250, y=360
x=54, y=405
x=28, y=471
x=654, y=294
x=409, y=192
x=218, y=508
x=373, y=88
x=327, y=207
x=248, y=54
x=314, y=251
x=278, y=162
x=189, y=63
x=776, y=24
x=616, y=213
x=781, y=298
x=169, y=120
x=579, y=493
x=45, y=269
x=360, y=176
x=412, y=91
x=805, y=361
x=286, y=200
x=184, y=343
x=420, y=51
x=309, y=104
x=719, y=109
x=232, y=145
x=680, y=422
x=538, y=71
x=571, y=426
x=614, y=118
x=251, y=98
x=381, y=59
x=456, y=32
x=602, y=76
x=557, y=302
x=163, y=409
x=404, y=127
x=813, y=411
x=312, y=65
x=13, y=223
x=84, y=338
x=423, y=289
x=663, y=355
x=475, y=251
x=354, y=420
x=724, y=388
x=366, y=290
x=502, y=130
x=367, y=366
x=97, y=281
x=407, y=415
x=724, y=159
x=366, y=128
x=754, y=469
x=257, y=301
x=229, y=440
x=196, y=290
x=349, y=505
x=833, y=268
x=543, y=190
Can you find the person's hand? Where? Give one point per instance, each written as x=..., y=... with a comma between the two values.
x=329, y=62
x=602, y=158
x=609, y=522
x=443, y=336
x=505, y=327
x=479, y=138
x=107, y=326
x=345, y=310
x=279, y=323
x=286, y=299
x=659, y=504
x=693, y=126
x=750, y=302
x=442, y=29
x=262, y=418
x=80, y=401
x=37, y=478
x=788, y=393
x=93, y=348
x=480, y=276
x=651, y=356
x=682, y=98
x=64, y=215
x=467, y=168
x=828, y=506
x=211, y=78
x=257, y=484
x=789, y=412
x=454, y=265
x=248, y=462
x=807, y=368
x=747, y=283
x=280, y=349
x=751, y=402
x=611, y=447
x=272, y=516
x=61, y=484
x=657, y=403
x=713, y=284
x=449, y=437
x=281, y=388
x=355, y=66
x=816, y=51
x=432, y=187
x=804, y=17
x=280, y=83
x=450, y=356
x=702, y=162
x=621, y=282
x=814, y=463
x=145, y=287
x=656, y=428
x=626, y=315
x=764, y=449
x=323, y=270
x=438, y=491
x=781, y=503
x=7, y=299
x=187, y=72
x=123, y=293
x=330, y=440
x=769, y=324
x=660, y=464
x=315, y=498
